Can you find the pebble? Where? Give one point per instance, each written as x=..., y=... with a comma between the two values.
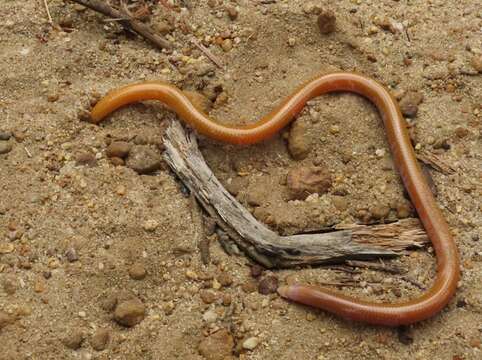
x=379, y=211
x=268, y=285
x=299, y=145
x=71, y=255
x=117, y=161
x=163, y=28
x=404, y=210
x=5, y=135
x=232, y=12
x=74, y=340
x=208, y=297
x=118, y=149
x=251, y=343
x=476, y=63
x=5, y=147
x=217, y=346
x=256, y=270
x=249, y=287
x=5, y=319
x=461, y=132
x=225, y=279
x=210, y=316
x=326, y=21
x=137, y=271
x=143, y=159
x=85, y=158
x=130, y=312
x=227, y=45
x=340, y=202
x=6, y=248
x=303, y=181
x=150, y=225
x=409, y=103
x=52, y=97
x=227, y=299
x=9, y=285
x=100, y=339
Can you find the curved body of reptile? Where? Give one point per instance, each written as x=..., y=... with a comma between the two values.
x=444, y=286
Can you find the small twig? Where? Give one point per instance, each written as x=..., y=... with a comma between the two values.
x=435, y=162
x=28, y=152
x=208, y=53
x=413, y=282
x=48, y=12
x=127, y=22
x=392, y=269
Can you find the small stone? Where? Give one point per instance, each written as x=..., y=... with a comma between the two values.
x=299, y=145
x=442, y=144
x=404, y=210
x=326, y=21
x=227, y=299
x=5, y=147
x=225, y=279
x=268, y=285
x=150, y=225
x=232, y=12
x=291, y=41
x=5, y=319
x=9, y=285
x=39, y=286
x=256, y=270
x=208, y=297
x=117, y=161
x=74, y=339
x=137, y=271
x=249, y=287
x=476, y=62
x=52, y=97
x=210, y=316
x=217, y=346
x=130, y=312
x=162, y=27
x=119, y=149
x=379, y=211
x=5, y=135
x=227, y=45
x=251, y=343
x=71, y=255
x=334, y=129
x=303, y=181
x=100, y=340
x=340, y=202
x=461, y=132
x=143, y=159
x=474, y=342
x=6, y=248
x=85, y=158
x=409, y=103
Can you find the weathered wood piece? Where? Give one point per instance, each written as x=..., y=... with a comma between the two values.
x=264, y=245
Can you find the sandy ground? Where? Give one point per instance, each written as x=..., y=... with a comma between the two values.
x=86, y=245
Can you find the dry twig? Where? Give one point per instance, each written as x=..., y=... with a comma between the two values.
x=127, y=22
x=208, y=53
x=48, y=12
x=259, y=242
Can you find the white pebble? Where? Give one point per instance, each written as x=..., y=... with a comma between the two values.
x=250, y=343
x=210, y=316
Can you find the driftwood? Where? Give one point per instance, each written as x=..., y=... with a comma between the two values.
x=264, y=245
